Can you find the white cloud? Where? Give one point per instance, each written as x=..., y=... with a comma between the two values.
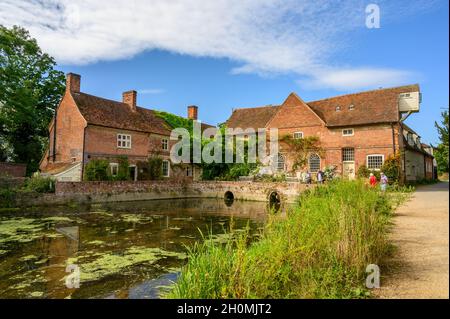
x=348, y=79
x=262, y=36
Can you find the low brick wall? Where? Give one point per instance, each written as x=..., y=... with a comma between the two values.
x=148, y=190
x=13, y=169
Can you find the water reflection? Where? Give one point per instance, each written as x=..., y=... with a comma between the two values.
x=124, y=250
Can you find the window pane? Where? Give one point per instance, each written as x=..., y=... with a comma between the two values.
x=165, y=168
x=348, y=154
x=374, y=161
x=314, y=163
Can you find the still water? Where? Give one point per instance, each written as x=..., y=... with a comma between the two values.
x=122, y=250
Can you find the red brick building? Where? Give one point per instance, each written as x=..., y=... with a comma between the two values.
x=87, y=127
x=356, y=129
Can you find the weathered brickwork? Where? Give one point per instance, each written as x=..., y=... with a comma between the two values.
x=13, y=169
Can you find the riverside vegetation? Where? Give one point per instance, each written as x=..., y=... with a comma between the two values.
x=320, y=250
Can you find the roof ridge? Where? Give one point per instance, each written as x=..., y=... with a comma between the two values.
x=256, y=107
x=363, y=92
x=98, y=97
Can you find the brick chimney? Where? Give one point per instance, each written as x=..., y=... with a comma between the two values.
x=192, y=112
x=129, y=98
x=73, y=82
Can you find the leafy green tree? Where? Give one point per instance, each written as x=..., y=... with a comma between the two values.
x=441, y=152
x=30, y=91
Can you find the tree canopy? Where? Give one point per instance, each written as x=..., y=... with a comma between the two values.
x=441, y=152
x=30, y=91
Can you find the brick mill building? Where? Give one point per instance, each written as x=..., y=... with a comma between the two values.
x=355, y=129
x=87, y=127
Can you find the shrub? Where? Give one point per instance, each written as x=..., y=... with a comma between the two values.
x=123, y=172
x=7, y=197
x=97, y=170
x=240, y=169
x=330, y=172
x=363, y=172
x=392, y=168
x=155, y=167
x=40, y=184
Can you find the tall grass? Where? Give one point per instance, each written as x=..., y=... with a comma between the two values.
x=320, y=250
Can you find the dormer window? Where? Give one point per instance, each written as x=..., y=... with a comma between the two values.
x=351, y=107
x=347, y=132
x=338, y=108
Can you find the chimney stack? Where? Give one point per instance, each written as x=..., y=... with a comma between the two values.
x=129, y=98
x=73, y=82
x=192, y=112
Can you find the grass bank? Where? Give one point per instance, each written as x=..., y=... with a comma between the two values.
x=320, y=250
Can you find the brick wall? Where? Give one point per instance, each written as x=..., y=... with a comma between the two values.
x=366, y=140
x=13, y=169
x=70, y=126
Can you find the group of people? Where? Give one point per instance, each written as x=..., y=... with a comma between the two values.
x=383, y=181
x=307, y=178
x=372, y=179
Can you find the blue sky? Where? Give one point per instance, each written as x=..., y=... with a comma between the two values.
x=226, y=54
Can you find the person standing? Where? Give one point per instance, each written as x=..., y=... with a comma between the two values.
x=383, y=182
x=308, y=177
x=320, y=177
x=372, y=180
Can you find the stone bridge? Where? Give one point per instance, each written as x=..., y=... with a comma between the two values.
x=283, y=192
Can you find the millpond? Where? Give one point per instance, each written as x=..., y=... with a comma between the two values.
x=116, y=250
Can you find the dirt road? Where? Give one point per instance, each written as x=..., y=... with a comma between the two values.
x=419, y=267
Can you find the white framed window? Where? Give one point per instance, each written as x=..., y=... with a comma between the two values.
x=114, y=168
x=314, y=163
x=298, y=135
x=348, y=154
x=338, y=108
x=165, y=168
x=375, y=161
x=348, y=132
x=165, y=144
x=351, y=107
x=123, y=141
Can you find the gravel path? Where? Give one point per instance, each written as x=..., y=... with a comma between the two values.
x=419, y=267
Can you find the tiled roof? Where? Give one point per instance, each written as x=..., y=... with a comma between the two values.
x=103, y=112
x=415, y=147
x=370, y=107
x=256, y=117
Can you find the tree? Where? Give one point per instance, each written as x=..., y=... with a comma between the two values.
x=441, y=152
x=30, y=91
